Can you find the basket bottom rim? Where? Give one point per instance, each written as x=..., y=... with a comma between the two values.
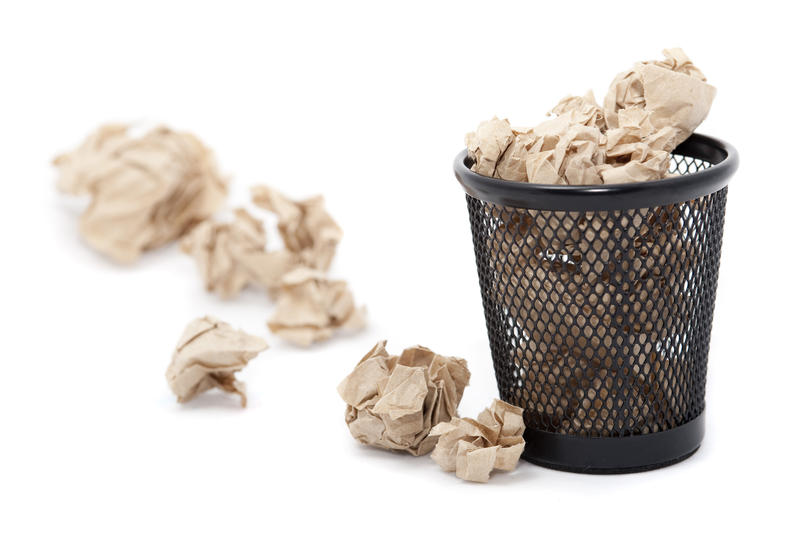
x=609, y=471
x=614, y=455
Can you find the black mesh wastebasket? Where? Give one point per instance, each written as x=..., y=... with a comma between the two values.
x=598, y=303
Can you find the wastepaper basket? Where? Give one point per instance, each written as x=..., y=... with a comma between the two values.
x=599, y=302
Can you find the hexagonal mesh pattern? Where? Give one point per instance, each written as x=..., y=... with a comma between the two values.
x=599, y=322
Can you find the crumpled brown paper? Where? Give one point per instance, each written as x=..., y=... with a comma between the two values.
x=145, y=191
x=207, y=355
x=636, y=150
x=648, y=111
x=582, y=110
x=488, y=143
x=305, y=226
x=231, y=255
x=394, y=401
x=311, y=307
x=473, y=448
x=673, y=91
x=512, y=165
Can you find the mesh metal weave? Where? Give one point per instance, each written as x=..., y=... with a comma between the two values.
x=599, y=321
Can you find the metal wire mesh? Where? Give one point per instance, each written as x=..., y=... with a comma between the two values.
x=599, y=322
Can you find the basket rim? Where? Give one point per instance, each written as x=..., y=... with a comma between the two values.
x=722, y=155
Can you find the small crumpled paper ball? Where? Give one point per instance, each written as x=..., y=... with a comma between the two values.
x=306, y=227
x=146, y=191
x=231, y=255
x=394, y=401
x=208, y=355
x=473, y=448
x=312, y=307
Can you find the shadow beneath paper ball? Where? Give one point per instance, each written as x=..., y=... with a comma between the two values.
x=212, y=399
x=523, y=473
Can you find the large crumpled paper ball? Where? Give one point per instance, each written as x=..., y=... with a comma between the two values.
x=145, y=191
x=394, y=401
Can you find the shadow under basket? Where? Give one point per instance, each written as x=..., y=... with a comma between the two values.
x=599, y=302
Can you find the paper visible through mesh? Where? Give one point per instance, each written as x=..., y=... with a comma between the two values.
x=599, y=321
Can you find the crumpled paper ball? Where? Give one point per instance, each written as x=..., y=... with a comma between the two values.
x=208, y=355
x=231, y=255
x=488, y=143
x=145, y=191
x=394, y=401
x=306, y=227
x=312, y=307
x=473, y=448
x=673, y=91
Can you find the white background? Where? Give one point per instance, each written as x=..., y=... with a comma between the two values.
x=367, y=104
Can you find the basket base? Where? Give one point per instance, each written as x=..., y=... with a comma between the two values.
x=613, y=455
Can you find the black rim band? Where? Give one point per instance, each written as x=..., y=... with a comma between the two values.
x=614, y=455
x=683, y=188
